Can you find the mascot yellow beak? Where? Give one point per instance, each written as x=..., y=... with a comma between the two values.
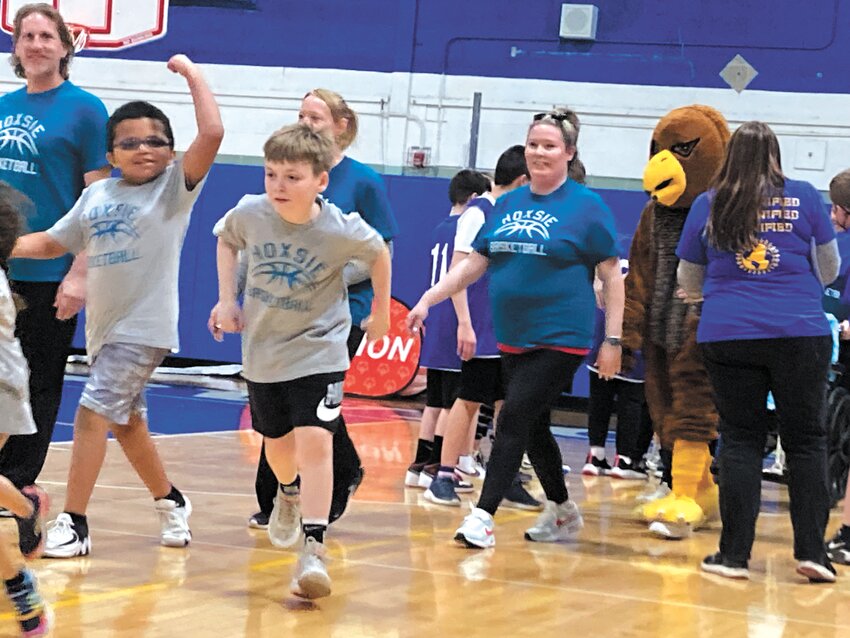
x=664, y=178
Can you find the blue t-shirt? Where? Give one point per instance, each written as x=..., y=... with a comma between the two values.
x=50, y=140
x=543, y=250
x=836, y=296
x=353, y=186
x=772, y=290
x=439, y=343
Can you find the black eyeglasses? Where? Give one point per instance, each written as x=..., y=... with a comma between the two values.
x=134, y=143
x=560, y=117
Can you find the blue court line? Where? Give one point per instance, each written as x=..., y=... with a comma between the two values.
x=172, y=409
x=184, y=409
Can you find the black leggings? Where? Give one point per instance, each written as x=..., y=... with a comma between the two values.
x=535, y=380
x=631, y=406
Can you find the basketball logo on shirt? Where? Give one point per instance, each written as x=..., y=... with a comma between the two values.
x=284, y=264
x=760, y=260
x=281, y=271
x=20, y=131
x=528, y=223
x=113, y=228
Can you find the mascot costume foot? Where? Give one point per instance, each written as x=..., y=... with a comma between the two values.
x=687, y=149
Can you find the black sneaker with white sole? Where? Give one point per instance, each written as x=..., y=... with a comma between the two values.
x=260, y=520
x=627, y=470
x=816, y=572
x=838, y=550
x=721, y=566
x=595, y=467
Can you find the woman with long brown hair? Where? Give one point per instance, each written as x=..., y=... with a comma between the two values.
x=759, y=247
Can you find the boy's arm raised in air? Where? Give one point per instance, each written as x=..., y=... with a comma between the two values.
x=201, y=152
x=378, y=323
x=226, y=315
x=38, y=246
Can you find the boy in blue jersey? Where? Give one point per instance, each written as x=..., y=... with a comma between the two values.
x=132, y=229
x=439, y=354
x=837, y=302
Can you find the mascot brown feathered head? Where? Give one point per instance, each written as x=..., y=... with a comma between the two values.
x=687, y=149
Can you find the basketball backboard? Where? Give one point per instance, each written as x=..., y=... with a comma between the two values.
x=102, y=24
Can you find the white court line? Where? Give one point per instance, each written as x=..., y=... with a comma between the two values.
x=606, y=593
x=131, y=488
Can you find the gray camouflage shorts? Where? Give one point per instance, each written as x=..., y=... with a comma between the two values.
x=115, y=388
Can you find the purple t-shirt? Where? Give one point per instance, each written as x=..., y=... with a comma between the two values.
x=439, y=343
x=772, y=290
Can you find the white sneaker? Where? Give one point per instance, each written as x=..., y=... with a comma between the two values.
x=174, y=522
x=467, y=465
x=311, y=578
x=63, y=541
x=556, y=523
x=285, y=522
x=476, y=530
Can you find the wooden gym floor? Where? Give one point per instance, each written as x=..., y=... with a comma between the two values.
x=396, y=571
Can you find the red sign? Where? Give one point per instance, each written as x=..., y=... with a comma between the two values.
x=389, y=365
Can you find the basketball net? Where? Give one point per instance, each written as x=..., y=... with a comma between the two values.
x=80, y=35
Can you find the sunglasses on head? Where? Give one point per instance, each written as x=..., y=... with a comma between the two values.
x=134, y=143
x=560, y=117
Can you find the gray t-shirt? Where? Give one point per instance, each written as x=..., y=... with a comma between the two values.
x=15, y=414
x=133, y=236
x=296, y=304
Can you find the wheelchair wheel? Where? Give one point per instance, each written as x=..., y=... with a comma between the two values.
x=838, y=437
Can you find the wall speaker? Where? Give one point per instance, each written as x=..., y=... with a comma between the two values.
x=578, y=21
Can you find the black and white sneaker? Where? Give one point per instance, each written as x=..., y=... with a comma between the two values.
x=717, y=564
x=595, y=467
x=627, y=470
x=816, y=572
x=838, y=550
x=260, y=520
x=63, y=540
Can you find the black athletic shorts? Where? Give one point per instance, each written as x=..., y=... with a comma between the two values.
x=481, y=381
x=442, y=387
x=315, y=400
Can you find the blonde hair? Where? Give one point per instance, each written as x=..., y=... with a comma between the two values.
x=339, y=109
x=62, y=29
x=299, y=143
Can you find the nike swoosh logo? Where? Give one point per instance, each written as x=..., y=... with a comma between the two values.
x=327, y=414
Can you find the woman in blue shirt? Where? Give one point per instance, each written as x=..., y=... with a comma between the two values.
x=540, y=248
x=759, y=248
